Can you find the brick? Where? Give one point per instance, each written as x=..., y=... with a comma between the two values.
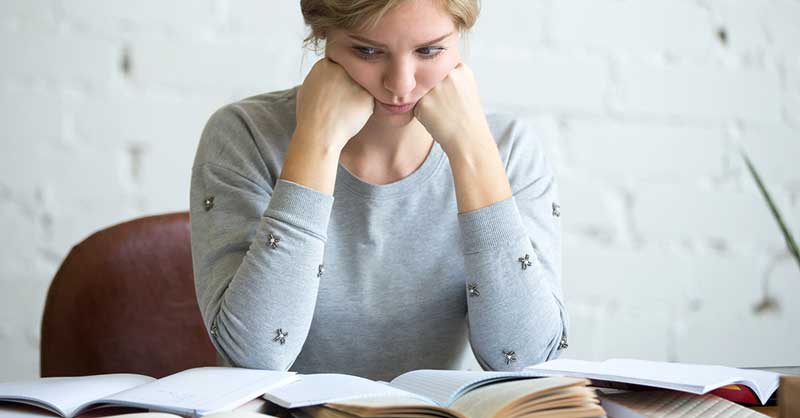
x=19, y=335
x=653, y=277
x=688, y=213
x=86, y=193
x=584, y=334
x=590, y=210
x=19, y=225
x=39, y=12
x=723, y=282
x=729, y=332
x=31, y=115
x=743, y=23
x=624, y=299
x=155, y=140
x=792, y=93
x=21, y=169
x=165, y=170
x=218, y=66
x=65, y=58
x=547, y=132
x=637, y=333
x=774, y=151
x=793, y=109
x=782, y=25
x=143, y=119
x=541, y=79
x=278, y=24
x=793, y=76
x=114, y=16
x=511, y=24
x=663, y=25
x=701, y=92
x=622, y=152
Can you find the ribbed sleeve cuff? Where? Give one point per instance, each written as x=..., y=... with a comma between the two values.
x=491, y=226
x=301, y=206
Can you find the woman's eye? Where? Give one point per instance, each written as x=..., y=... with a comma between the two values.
x=366, y=52
x=429, y=51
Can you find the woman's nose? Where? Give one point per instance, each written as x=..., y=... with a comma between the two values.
x=400, y=78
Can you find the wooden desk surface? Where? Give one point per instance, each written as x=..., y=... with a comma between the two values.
x=256, y=405
x=771, y=411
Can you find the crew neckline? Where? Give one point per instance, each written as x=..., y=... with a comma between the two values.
x=397, y=188
x=404, y=186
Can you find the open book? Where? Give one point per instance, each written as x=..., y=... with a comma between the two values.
x=663, y=403
x=438, y=393
x=693, y=378
x=192, y=393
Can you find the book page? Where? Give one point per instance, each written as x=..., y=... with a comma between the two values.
x=202, y=390
x=694, y=378
x=385, y=406
x=489, y=401
x=66, y=395
x=445, y=386
x=10, y=410
x=316, y=389
x=390, y=407
x=671, y=404
x=130, y=415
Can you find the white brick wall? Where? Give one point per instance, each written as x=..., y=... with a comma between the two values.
x=669, y=250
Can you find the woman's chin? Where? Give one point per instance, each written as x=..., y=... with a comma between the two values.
x=396, y=119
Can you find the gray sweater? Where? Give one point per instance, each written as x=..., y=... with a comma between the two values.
x=375, y=280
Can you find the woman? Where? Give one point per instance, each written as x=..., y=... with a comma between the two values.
x=374, y=219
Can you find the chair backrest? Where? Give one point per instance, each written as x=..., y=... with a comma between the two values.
x=123, y=301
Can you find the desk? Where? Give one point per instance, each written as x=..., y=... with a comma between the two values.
x=27, y=411
x=256, y=405
x=767, y=410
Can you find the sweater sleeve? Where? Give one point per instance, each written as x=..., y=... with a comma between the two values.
x=512, y=256
x=257, y=249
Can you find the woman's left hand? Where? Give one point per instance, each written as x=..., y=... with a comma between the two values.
x=451, y=111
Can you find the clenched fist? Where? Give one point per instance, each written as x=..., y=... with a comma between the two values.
x=451, y=111
x=331, y=106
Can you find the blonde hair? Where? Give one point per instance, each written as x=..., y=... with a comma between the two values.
x=363, y=15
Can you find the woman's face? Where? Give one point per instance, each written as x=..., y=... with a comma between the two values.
x=411, y=49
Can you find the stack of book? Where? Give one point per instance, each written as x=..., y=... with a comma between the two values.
x=558, y=389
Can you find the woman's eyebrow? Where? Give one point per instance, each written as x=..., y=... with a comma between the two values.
x=371, y=42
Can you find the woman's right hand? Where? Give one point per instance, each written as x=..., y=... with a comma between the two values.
x=331, y=107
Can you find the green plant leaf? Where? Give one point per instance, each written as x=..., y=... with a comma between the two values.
x=787, y=235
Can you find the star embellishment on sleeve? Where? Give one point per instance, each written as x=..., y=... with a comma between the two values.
x=526, y=261
x=280, y=335
x=273, y=241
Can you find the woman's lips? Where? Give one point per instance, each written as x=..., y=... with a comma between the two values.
x=397, y=109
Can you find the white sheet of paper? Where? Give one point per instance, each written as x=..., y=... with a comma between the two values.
x=317, y=389
x=64, y=395
x=692, y=378
x=203, y=390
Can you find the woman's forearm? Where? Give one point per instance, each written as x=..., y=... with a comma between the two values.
x=478, y=173
x=311, y=162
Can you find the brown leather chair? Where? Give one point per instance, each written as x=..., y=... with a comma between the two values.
x=123, y=301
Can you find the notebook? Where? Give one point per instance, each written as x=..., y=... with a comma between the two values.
x=194, y=392
x=692, y=378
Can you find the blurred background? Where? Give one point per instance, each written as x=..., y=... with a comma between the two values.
x=670, y=252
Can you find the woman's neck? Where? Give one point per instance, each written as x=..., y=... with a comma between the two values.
x=382, y=154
